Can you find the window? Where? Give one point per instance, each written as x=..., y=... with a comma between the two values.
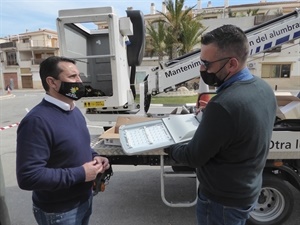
x=276, y=70
x=11, y=58
x=285, y=70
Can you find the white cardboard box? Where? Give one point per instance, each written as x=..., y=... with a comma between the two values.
x=288, y=106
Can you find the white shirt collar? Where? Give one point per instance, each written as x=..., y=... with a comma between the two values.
x=60, y=104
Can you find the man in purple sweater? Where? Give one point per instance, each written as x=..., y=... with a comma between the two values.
x=54, y=157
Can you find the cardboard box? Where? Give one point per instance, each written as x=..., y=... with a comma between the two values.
x=288, y=105
x=121, y=120
x=111, y=136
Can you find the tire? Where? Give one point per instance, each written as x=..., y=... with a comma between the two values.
x=275, y=203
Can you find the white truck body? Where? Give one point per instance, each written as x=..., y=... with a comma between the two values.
x=108, y=56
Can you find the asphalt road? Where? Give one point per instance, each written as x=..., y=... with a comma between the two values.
x=132, y=196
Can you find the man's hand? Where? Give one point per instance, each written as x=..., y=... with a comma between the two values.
x=103, y=161
x=169, y=150
x=92, y=169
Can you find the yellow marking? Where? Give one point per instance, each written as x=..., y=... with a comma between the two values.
x=93, y=104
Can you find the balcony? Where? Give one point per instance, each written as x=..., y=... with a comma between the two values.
x=23, y=46
x=7, y=45
x=259, y=19
x=36, y=61
x=37, y=44
x=25, y=64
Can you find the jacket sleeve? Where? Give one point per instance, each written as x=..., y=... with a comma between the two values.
x=212, y=135
x=33, y=152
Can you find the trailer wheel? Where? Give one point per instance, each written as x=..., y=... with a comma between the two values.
x=275, y=203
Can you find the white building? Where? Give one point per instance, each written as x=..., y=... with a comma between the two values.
x=22, y=54
x=280, y=68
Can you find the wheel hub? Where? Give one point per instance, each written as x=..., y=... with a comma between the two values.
x=270, y=204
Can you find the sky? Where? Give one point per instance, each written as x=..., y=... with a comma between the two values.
x=17, y=16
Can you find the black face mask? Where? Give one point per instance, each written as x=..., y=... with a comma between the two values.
x=74, y=91
x=211, y=79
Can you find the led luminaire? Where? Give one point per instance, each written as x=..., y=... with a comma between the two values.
x=156, y=134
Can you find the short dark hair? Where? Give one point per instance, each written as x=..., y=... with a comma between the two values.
x=230, y=40
x=49, y=67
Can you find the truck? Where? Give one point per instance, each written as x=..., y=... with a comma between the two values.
x=108, y=56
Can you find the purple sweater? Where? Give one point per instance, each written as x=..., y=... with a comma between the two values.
x=52, y=146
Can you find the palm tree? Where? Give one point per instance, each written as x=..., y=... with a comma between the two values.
x=255, y=12
x=158, y=37
x=174, y=18
x=176, y=22
x=192, y=29
x=231, y=14
x=249, y=11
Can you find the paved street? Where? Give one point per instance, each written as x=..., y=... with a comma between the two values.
x=132, y=196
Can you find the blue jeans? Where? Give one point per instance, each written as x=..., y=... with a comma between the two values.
x=76, y=216
x=212, y=213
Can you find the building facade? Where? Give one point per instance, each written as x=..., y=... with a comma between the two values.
x=280, y=67
x=21, y=56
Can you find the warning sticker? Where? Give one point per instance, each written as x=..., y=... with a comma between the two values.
x=94, y=104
